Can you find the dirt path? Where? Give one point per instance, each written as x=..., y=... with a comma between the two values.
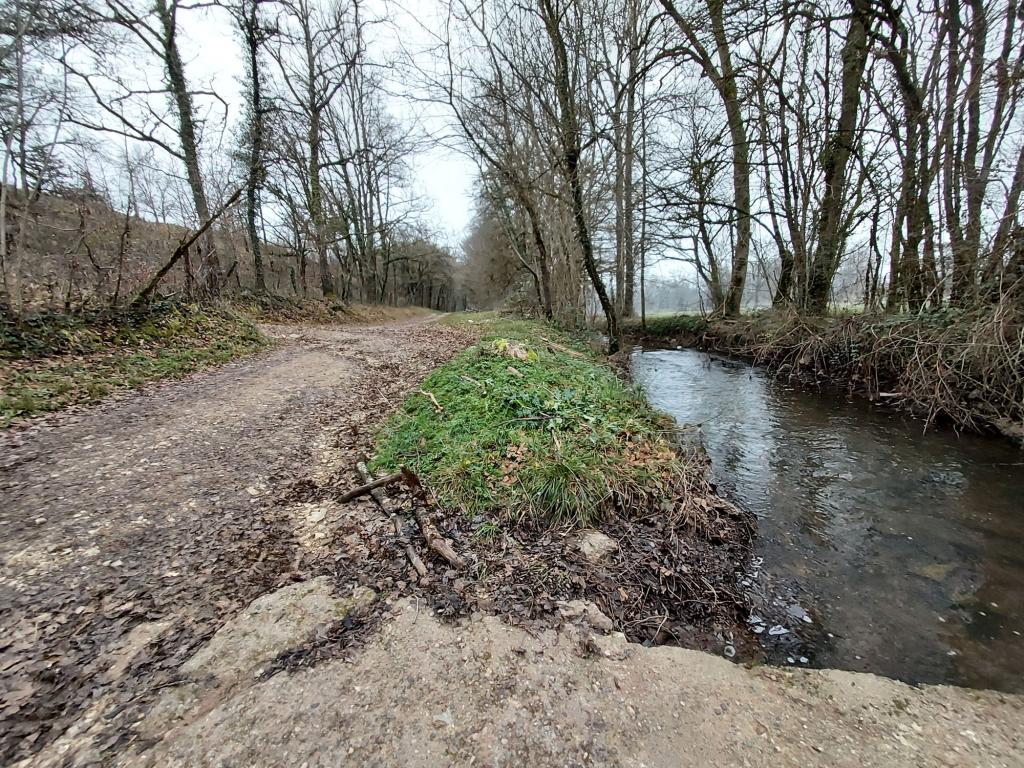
x=179, y=589
x=165, y=506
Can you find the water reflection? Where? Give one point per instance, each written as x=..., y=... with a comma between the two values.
x=909, y=546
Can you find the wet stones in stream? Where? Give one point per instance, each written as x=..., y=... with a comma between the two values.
x=785, y=630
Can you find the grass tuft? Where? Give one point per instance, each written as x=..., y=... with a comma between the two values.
x=532, y=425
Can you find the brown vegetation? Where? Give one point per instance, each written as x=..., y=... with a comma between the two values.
x=76, y=253
x=962, y=368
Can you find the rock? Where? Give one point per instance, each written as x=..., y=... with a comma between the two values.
x=595, y=546
x=599, y=621
x=572, y=609
x=614, y=646
x=317, y=515
x=271, y=624
x=170, y=708
x=587, y=612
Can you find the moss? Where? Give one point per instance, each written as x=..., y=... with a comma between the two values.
x=664, y=326
x=532, y=424
x=53, y=361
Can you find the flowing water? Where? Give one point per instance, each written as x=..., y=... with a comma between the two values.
x=885, y=548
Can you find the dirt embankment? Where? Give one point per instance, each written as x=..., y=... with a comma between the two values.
x=424, y=692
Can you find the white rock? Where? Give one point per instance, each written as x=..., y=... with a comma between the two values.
x=587, y=612
x=595, y=546
x=613, y=646
x=317, y=515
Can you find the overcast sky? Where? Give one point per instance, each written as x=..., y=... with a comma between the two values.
x=445, y=177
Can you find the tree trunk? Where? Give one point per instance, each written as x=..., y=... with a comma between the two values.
x=543, y=261
x=740, y=160
x=314, y=136
x=250, y=28
x=836, y=157
x=210, y=282
x=723, y=77
x=628, y=203
x=569, y=128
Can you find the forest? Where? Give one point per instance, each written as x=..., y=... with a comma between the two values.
x=511, y=383
x=852, y=155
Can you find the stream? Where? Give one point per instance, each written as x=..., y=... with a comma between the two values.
x=881, y=548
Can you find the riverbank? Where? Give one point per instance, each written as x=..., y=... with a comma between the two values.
x=961, y=369
x=561, y=484
x=880, y=548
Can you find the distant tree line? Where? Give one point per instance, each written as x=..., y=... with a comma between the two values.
x=98, y=106
x=798, y=153
x=843, y=151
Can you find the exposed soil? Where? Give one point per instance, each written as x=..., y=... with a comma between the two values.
x=180, y=587
x=424, y=692
x=166, y=506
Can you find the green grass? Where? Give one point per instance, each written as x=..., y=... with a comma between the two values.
x=52, y=361
x=556, y=436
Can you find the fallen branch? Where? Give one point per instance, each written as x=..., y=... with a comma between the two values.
x=180, y=251
x=435, y=540
x=410, y=553
x=555, y=346
x=396, y=520
x=437, y=405
x=369, y=487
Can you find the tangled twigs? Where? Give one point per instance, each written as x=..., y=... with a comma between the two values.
x=396, y=520
x=964, y=367
x=435, y=541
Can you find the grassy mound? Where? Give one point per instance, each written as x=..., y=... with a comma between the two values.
x=526, y=436
x=51, y=361
x=527, y=424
